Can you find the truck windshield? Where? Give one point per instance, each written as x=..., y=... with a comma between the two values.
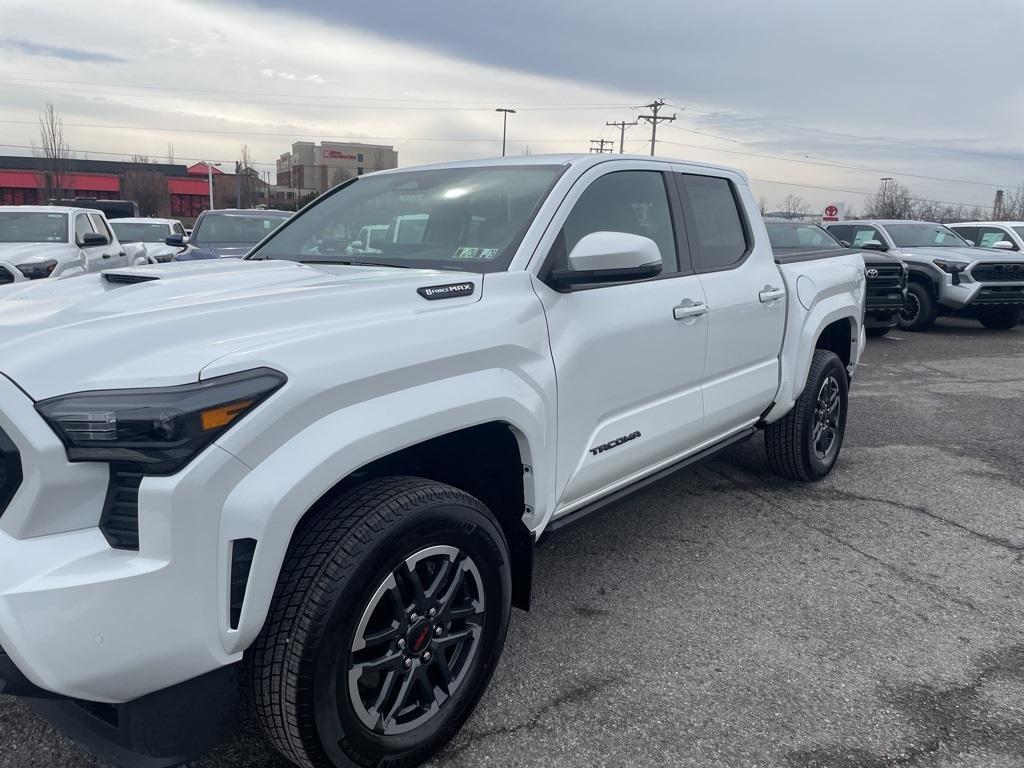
x=33, y=227
x=788, y=236
x=451, y=218
x=924, y=236
x=137, y=232
x=234, y=228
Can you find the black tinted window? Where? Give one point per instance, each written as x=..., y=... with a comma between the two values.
x=841, y=232
x=634, y=202
x=714, y=225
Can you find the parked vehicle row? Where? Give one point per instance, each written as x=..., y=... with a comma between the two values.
x=947, y=274
x=226, y=233
x=152, y=233
x=320, y=480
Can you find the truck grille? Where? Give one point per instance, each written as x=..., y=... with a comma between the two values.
x=887, y=275
x=10, y=471
x=990, y=273
x=120, y=520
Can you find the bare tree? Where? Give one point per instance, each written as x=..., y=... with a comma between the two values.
x=54, y=150
x=762, y=205
x=892, y=201
x=246, y=179
x=793, y=206
x=146, y=186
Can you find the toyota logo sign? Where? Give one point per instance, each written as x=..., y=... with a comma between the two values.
x=872, y=273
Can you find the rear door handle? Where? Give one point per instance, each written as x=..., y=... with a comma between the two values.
x=688, y=310
x=771, y=294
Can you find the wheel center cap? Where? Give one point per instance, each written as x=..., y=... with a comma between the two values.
x=419, y=636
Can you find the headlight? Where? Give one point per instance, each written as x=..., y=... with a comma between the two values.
x=952, y=267
x=160, y=429
x=37, y=269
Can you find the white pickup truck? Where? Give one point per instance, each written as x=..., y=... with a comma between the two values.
x=318, y=477
x=41, y=241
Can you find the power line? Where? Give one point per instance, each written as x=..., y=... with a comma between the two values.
x=621, y=125
x=654, y=119
x=599, y=149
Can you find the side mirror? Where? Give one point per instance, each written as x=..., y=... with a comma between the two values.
x=1003, y=245
x=175, y=241
x=873, y=245
x=845, y=243
x=610, y=257
x=91, y=239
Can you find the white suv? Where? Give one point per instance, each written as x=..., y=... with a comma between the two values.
x=324, y=473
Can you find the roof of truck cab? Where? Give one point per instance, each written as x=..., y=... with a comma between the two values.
x=581, y=161
x=987, y=223
x=48, y=209
x=143, y=220
x=885, y=222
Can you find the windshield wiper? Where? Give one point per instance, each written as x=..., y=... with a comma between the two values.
x=356, y=263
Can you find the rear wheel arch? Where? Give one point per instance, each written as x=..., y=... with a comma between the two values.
x=837, y=337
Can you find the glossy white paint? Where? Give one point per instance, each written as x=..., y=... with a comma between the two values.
x=674, y=363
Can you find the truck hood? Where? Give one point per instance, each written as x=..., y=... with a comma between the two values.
x=161, y=325
x=22, y=253
x=967, y=254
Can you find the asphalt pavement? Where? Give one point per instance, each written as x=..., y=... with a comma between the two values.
x=730, y=618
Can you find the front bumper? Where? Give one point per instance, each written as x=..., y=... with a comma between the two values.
x=88, y=622
x=974, y=294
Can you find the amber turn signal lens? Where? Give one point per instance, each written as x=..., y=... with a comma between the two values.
x=215, y=418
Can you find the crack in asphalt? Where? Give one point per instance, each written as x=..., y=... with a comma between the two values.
x=578, y=695
x=955, y=715
x=902, y=574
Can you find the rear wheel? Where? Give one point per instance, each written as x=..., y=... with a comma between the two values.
x=805, y=443
x=1001, y=318
x=386, y=626
x=919, y=311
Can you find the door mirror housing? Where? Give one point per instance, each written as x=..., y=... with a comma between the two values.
x=873, y=245
x=1003, y=245
x=175, y=241
x=844, y=243
x=610, y=257
x=91, y=239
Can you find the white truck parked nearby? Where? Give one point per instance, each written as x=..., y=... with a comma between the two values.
x=318, y=477
x=40, y=241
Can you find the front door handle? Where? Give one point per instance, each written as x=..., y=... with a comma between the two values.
x=770, y=294
x=688, y=310
x=107, y=255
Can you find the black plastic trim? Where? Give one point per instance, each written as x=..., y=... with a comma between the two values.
x=14, y=683
x=10, y=471
x=575, y=517
x=119, y=522
x=242, y=551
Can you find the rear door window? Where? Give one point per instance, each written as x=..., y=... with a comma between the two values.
x=714, y=222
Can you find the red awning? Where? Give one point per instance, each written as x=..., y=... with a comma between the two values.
x=21, y=179
x=179, y=186
x=90, y=182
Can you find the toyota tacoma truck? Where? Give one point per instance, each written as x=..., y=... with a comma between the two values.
x=886, y=275
x=308, y=484
x=44, y=241
x=947, y=274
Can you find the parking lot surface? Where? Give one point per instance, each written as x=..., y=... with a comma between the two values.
x=729, y=618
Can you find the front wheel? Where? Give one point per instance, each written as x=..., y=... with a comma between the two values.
x=919, y=310
x=805, y=443
x=1000, y=319
x=386, y=626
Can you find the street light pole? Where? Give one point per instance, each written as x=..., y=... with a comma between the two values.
x=504, y=125
x=209, y=179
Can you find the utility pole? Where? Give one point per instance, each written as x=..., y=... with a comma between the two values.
x=600, y=145
x=504, y=125
x=654, y=118
x=997, y=205
x=622, y=125
x=885, y=202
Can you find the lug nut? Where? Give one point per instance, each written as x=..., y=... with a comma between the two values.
x=413, y=618
x=401, y=643
x=438, y=631
x=432, y=613
x=407, y=663
x=426, y=656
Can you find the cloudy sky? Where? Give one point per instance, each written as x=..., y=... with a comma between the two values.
x=814, y=98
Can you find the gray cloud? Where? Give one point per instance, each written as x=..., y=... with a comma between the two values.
x=59, y=51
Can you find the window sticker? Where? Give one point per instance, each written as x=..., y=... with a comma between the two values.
x=466, y=253
x=488, y=253
x=485, y=254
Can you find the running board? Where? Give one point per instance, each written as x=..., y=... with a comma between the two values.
x=572, y=519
